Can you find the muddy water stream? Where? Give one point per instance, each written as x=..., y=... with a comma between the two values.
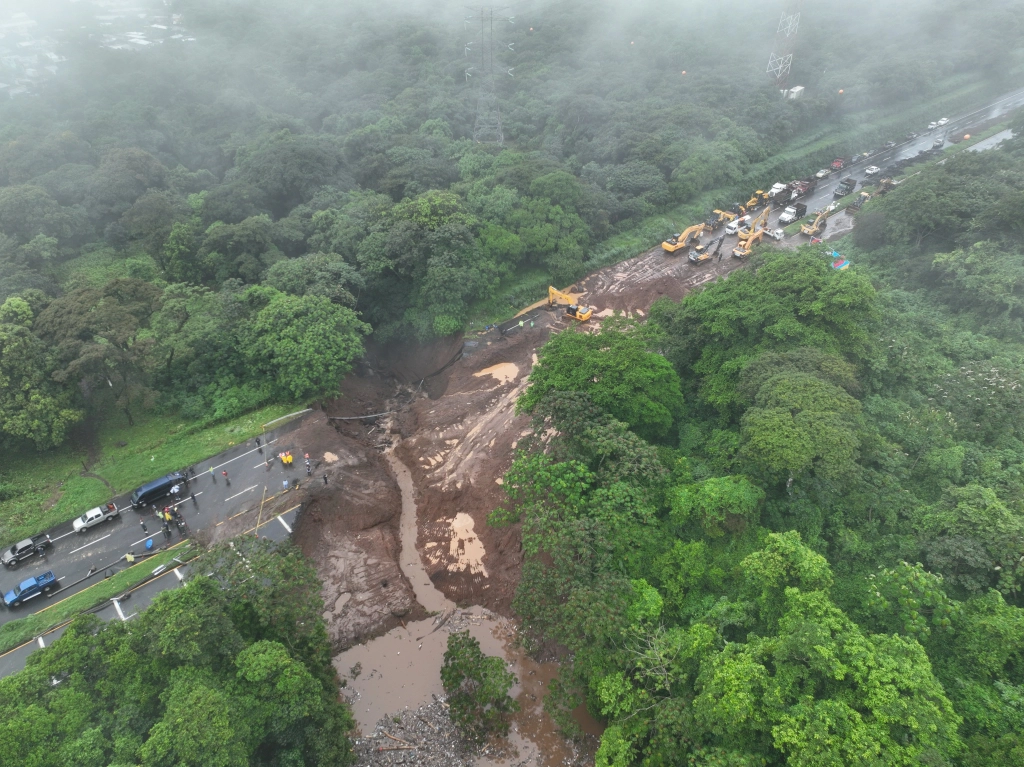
x=402, y=669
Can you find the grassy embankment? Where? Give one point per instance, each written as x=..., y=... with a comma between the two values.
x=17, y=632
x=801, y=157
x=44, y=489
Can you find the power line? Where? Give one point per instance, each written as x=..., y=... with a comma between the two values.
x=487, y=127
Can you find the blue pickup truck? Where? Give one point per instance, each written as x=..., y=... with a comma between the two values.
x=31, y=588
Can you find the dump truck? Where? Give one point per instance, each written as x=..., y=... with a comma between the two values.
x=846, y=186
x=792, y=213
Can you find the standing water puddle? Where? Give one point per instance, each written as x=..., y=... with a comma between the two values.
x=402, y=669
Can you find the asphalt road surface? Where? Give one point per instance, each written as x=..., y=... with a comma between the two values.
x=823, y=193
x=137, y=599
x=81, y=559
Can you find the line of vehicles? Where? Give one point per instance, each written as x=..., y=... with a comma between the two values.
x=740, y=218
x=39, y=545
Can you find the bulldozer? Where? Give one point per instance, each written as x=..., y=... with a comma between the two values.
x=820, y=222
x=574, y=310
x=758, y=199
x=681, y=240
x=884, y=185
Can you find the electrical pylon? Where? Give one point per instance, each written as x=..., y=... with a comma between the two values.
x=780, y=62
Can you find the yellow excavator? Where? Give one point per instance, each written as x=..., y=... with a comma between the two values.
x=820, y=221
x=573, y=310
x=681, y=240
x=757, y=200
x=743, y=247
x=758, y=223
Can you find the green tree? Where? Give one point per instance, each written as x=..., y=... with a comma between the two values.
x=305, y=344
x=617, y=370
x=477, y=687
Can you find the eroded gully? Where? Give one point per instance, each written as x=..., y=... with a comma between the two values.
x=402, y=669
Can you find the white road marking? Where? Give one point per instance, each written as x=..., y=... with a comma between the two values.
x=281, y=520
x=143, y=540
x=241, y=493
x=54, y=540
x=90, y=543
x=240, y=455
x=40, y=641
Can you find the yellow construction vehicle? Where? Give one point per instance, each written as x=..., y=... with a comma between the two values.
x=884, y=185
x=681, y=240
x=758, y=223
x=820, y=221
x=573, y=310
x=757, y=200
x=717, y=218
x=743, y=247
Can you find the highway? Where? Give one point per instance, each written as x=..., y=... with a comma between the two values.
x=81, y=559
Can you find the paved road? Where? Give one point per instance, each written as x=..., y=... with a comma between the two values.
x=275, y=528
x=823, y=194
x=78, y=560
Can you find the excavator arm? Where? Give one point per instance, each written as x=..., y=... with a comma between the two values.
x=681, y=240
x=573, y=310
x=817, y=226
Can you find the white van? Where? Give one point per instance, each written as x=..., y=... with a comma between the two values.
x=734, y=226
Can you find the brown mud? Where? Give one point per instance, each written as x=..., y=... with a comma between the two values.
x=400, y=536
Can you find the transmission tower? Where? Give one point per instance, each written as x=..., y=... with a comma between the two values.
x=781, y=59
x=487, y=128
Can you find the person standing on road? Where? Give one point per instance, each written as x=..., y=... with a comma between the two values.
x=325, y=479
x=144, y=528
x=258, y=443
x=194, y=501
x=226, y=480
x=213, y=476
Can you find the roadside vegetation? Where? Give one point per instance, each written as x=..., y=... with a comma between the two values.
x=17, y=632
x=228, y=670
x=152, y=262
x=820, y=561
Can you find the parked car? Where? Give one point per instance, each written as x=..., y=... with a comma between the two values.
x=94, y=517
x=932, y=126
x=938, y=142
x=155, y=490
x=823, y=173
x=29, y=547
x=31, y=588
x=943, y=121
x=890, y=144
x=911, y=136
x=871, y=170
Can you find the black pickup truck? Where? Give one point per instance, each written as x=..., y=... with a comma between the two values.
x=29, y=547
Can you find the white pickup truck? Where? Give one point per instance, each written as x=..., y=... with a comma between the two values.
x=94, y=517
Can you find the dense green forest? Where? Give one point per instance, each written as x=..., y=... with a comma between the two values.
x=783, y=521
x=207, y=227
x=229, y=670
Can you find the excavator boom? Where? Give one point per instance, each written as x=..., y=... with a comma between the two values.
x=573, y=310
x=820, y=222
x=681, y=240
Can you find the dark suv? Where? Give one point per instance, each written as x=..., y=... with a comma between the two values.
x=24, y=549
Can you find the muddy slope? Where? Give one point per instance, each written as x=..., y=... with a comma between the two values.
x=350, y=529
